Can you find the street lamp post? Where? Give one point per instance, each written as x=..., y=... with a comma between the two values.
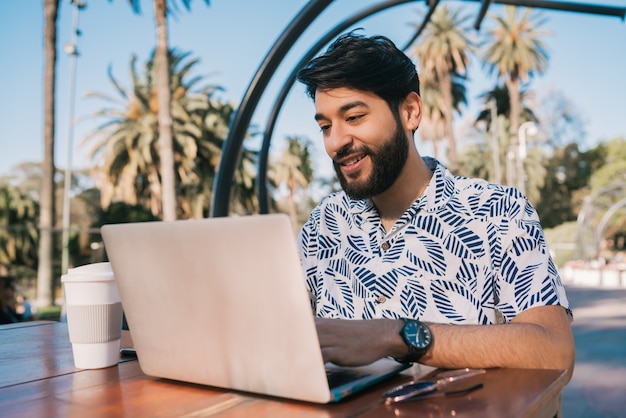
x=72, y=50
x=526, y=128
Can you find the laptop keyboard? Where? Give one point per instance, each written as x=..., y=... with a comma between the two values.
x=338, y=377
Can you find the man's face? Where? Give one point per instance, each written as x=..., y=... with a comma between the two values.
x=366, y=142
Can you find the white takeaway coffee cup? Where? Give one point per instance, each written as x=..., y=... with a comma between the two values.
x=94, y=315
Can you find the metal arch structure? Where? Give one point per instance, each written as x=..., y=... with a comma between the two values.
x=604, y=223
x=231, y=150
x=282, y=96
x=594, y=217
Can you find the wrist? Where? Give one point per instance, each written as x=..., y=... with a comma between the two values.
x=397, y=346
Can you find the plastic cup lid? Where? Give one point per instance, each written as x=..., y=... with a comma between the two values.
x=95, y=272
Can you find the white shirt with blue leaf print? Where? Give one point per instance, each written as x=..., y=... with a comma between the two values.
x=441, y=261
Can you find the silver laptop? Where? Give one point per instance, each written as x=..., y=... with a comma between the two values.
x=223, y=302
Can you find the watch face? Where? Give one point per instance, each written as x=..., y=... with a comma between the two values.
x=417, y=334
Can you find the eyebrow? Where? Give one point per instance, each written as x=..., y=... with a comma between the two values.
x=343, y=109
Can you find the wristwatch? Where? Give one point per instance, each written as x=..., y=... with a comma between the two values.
x=417, y=337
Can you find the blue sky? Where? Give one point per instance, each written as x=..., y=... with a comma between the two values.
x=231, y=37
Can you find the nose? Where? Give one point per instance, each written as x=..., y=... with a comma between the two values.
x=338, y=139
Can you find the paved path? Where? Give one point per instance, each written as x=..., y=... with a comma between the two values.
x=598, y=387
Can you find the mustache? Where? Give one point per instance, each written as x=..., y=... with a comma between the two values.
x=349, y=150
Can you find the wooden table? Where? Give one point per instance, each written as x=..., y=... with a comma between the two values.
x=38, y=379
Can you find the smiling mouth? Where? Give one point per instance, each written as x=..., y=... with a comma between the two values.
x=351, y=161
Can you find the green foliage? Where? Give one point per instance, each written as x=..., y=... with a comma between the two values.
x=514, y=51
x=49, y=313
x=568, y=174
x=18, y=229
x=244, y=200
x=446, y=43
x=591, y=183
x=613, y=171
x=443, y=55
x=561, y=241
x=120, y=212
x=516, y=48
x=294, y=164
x=500, y=96
x=125, y=148
x=293, y=170
x=475, y=160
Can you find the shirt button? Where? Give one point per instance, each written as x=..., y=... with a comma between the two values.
x=381, y=299
x=385, y=246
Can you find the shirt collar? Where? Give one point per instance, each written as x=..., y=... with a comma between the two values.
x=440, y=188
x=435, y=196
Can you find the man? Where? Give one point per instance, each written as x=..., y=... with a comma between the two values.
x=410, y=261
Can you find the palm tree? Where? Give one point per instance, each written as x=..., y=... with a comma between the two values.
x=476, y=160
x=126, y=144
x=442, y=54
x=47, y=213
x=207, y=119
x=166, y=151
x=244, y=200
x=18, y=229
x=293, y=170
x=27, y=179
x=515, y=51
x=125, y=147
x=495, y=115
x=499, y=95
x=433, y=126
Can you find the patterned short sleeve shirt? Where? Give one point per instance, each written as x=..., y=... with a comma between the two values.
x=460, y=242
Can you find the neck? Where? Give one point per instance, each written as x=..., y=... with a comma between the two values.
x=409, y=186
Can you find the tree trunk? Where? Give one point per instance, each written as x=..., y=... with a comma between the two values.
x=514, y=97
x=495, y=142
x=166, y=148
x=446, y=92
x=293, y=211
x=45, y=296
x=435, y=148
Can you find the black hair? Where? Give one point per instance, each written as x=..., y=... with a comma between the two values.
x=372, y=64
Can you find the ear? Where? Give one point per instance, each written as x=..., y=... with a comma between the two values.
x=411, y=111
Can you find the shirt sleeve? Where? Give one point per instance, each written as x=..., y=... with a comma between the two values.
x=528, y=276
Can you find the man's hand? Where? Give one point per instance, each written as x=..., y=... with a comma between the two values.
x=359, y=342
x=538, y=338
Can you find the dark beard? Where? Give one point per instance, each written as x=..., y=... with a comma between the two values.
x=387, y=162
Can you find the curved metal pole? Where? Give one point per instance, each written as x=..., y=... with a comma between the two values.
x=581, y=221
x=239, y=125
x=604, y=223
x=565, y=6
x=481, y=13
x=240, y=122
x=431, y=10
x=282, y=96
